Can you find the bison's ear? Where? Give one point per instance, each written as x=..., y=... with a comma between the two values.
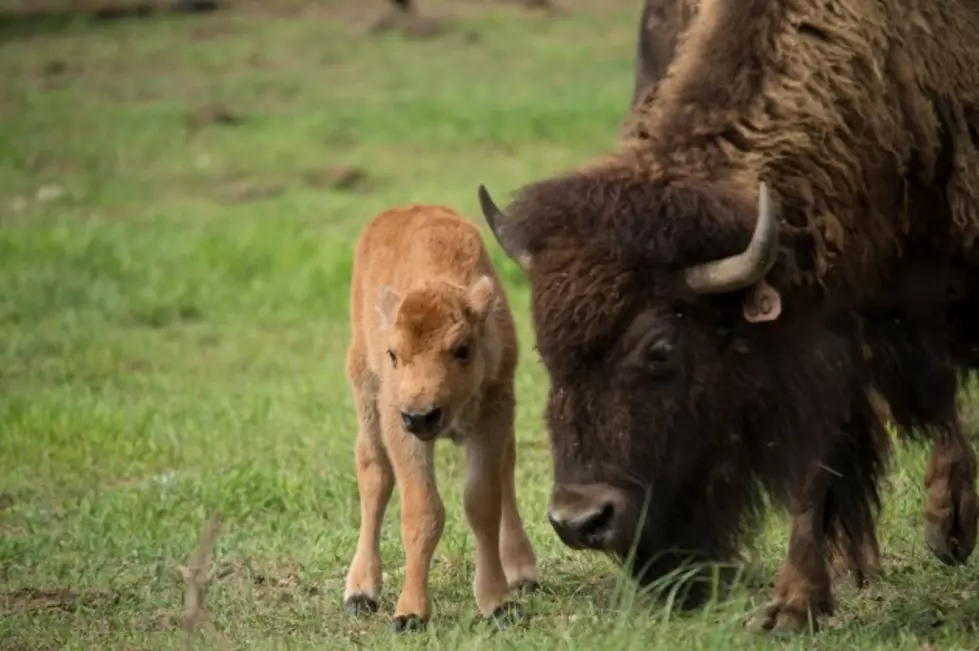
x=482, y=297
x=387, y=305
x=762, y=303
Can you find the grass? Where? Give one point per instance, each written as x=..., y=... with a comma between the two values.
x=178, y=201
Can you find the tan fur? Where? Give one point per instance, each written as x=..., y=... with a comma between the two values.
x=423, y=284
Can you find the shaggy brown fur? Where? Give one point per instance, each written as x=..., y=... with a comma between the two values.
x=682, y=405
x=661, y=25
x=916, y=293
x=432, y=356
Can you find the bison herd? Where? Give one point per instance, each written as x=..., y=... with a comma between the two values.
x=782, y=257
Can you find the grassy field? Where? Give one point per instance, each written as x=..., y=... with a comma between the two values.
x=179, y=197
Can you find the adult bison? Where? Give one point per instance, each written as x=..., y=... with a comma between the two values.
x=790, y=227
x=662, y=24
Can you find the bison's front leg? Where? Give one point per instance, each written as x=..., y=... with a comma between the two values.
x=951, y=504
x=803, y=589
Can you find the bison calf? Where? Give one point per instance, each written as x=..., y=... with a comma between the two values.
x=432, y=356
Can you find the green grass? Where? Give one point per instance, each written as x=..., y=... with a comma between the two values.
x=173, y=321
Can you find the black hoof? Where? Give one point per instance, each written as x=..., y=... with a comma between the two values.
x=360, y=604
x=526, y=586
x=946, y=548
x=508, y=613
x=407, y=624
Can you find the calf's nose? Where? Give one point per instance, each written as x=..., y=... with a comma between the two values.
x=422, y=423
x=586, y=517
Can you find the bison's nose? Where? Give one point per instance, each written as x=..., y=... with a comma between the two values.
x=587, y=516
x=422, y=423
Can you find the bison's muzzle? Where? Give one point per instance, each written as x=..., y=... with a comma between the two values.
x=591, y=516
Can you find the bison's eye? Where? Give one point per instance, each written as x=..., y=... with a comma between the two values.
x=660, y=351
x=461, y=352
x=393, y=358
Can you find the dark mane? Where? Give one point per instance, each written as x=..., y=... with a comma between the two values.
x=636, y=220
x=839, y=106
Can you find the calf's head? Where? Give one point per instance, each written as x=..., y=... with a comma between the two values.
x=646, y=298
x=436, y=350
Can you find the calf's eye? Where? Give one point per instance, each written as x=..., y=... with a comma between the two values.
x=461, y=352
x=393, y=358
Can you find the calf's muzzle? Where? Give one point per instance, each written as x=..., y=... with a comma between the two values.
x=424, y=424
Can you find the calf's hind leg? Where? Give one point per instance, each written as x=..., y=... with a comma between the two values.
x=422, y=521
x=486, y=457
x=516, y=552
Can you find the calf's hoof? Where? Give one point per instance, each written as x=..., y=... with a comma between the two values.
x=507, y=614
x=780, y=617
x=407, y=624
x=359, y=604
x=525, y=586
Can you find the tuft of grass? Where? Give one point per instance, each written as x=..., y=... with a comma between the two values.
x=179, y=197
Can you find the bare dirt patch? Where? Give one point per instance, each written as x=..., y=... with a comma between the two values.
x=213, y=114
x=29, y=600
x=249, y=190
x=339, y=178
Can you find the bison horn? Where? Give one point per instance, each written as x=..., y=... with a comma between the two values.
x=744, y=269
x=497, y=220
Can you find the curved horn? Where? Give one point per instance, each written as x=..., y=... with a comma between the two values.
x=497, y=220
x=744, y=269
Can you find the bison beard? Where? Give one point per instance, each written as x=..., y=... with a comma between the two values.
x=668, y=381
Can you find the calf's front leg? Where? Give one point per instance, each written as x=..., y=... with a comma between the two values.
x=375, y=483
x=422, y=523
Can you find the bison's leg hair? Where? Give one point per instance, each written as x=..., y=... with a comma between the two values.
x=865, y=568
x=914, y=373
x=485, y=457
x=422, y=520
x=803, y=590
x=519, y=560
x=951, y=504
x=375, y=482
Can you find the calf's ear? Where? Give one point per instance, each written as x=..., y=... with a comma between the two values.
x=482, y=297
x=387, y=305
x=762, y=303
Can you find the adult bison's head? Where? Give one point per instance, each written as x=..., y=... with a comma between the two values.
x=648, y=305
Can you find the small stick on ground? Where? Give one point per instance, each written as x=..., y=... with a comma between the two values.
x=196, y=576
